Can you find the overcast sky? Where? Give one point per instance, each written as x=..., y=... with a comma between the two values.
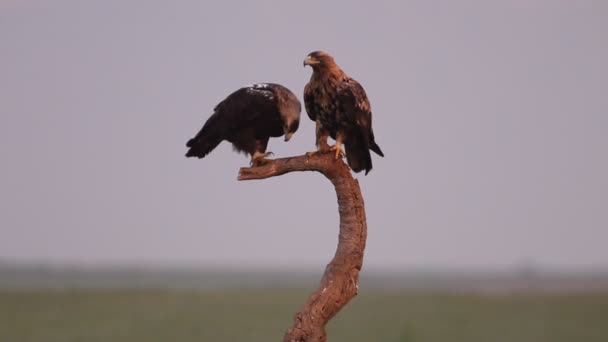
x=493, y=116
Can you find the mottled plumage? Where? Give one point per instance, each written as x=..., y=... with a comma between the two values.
x=248, y=118
x=339, y=106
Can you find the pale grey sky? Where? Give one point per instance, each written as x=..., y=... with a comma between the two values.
x=493, y=116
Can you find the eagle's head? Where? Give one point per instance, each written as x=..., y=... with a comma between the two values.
x=290, y=109
x=319, y=60
x=290, y=127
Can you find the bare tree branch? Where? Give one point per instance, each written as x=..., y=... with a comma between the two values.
x=339, y=283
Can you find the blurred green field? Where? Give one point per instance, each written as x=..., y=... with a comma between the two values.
x=263, y=315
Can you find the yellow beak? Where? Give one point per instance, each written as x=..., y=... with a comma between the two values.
x=310, y=61
x=288, y=136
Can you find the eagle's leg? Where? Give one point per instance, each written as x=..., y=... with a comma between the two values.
x=338, y=147
x=258, y=158
x=322, y=145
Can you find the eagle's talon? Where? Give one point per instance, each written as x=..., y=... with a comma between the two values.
x=320, y=150
x=259, y=159
x=339, y=151
x=260, y=162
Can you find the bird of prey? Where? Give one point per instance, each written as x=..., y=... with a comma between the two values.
x=248, y=118
x=339, y=106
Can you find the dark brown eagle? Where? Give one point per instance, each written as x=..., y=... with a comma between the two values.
x=248, y=118
x=339, y=106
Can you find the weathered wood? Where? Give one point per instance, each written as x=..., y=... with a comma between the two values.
x=339, y=282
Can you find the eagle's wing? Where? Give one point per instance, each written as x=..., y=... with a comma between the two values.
x=309, y=102
x=354, y=105
x=243, y=107
x=355, y=108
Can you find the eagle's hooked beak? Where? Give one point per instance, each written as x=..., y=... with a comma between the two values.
x=288, y=135
x=310, y=61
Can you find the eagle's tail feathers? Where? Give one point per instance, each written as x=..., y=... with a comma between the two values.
x=202, y=144
x=372, y=144
x=374, y=147
x=201, y=147
x=357, y=154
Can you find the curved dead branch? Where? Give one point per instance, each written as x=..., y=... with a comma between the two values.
x=339, y=283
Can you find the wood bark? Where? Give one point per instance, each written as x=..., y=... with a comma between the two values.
x=339, y=283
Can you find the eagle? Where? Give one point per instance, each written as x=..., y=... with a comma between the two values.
x=339, y=106
x=248, y=118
